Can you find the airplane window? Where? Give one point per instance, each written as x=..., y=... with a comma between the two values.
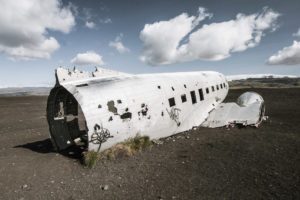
x=221, y=86
x=184, y=85
x=193, y=95
x=207, y=90
x=224, y=85
x=183, y=98
x=213, y=88
x=201, y=94
x=217, y=87
x=172, y=102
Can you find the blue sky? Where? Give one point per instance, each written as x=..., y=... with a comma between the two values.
x=122, y=24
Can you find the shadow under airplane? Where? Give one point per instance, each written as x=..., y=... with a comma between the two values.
x=45, y=146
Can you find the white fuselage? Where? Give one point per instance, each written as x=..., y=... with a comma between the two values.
x=156, y=105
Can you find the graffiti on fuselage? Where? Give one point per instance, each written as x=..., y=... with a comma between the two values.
x=100, y=135
x=174, y=114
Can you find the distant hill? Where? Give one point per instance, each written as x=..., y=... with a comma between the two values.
x=265, y=83
x=24, y=91
x=235, y=81
x=257, y=76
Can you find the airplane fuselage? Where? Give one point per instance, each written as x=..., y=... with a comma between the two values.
x=157, y=105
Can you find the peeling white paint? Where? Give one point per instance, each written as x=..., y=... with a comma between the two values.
x=100, y=72
x=65, y=75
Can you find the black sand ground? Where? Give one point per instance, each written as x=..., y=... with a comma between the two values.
x=245, y=163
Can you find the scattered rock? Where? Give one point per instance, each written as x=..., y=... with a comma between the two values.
x=25, y=187
x=104, y=187
x=157, y=142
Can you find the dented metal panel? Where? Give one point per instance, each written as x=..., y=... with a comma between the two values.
x=249, y=110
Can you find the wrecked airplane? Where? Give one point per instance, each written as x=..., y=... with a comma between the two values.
x=110, y=107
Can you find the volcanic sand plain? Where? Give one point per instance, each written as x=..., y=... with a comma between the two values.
x=235, y=163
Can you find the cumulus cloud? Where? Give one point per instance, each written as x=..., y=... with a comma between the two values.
x=87, y=13
x=287, y=56
x=106, y=21
x=297, y=34
x=176, y=40
x=88, y=58
x=90, y=25
x=24, y=25
x=118, y=45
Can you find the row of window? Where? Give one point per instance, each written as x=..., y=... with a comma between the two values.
x=193, y=94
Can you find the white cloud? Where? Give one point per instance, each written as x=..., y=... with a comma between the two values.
x=24, y=25
x=88, y=58
x=87, y=13
x=175, y=40
x=106, y=21
x=90, y=25
x=287, y=56
x=119, y=45
x=297, y=34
